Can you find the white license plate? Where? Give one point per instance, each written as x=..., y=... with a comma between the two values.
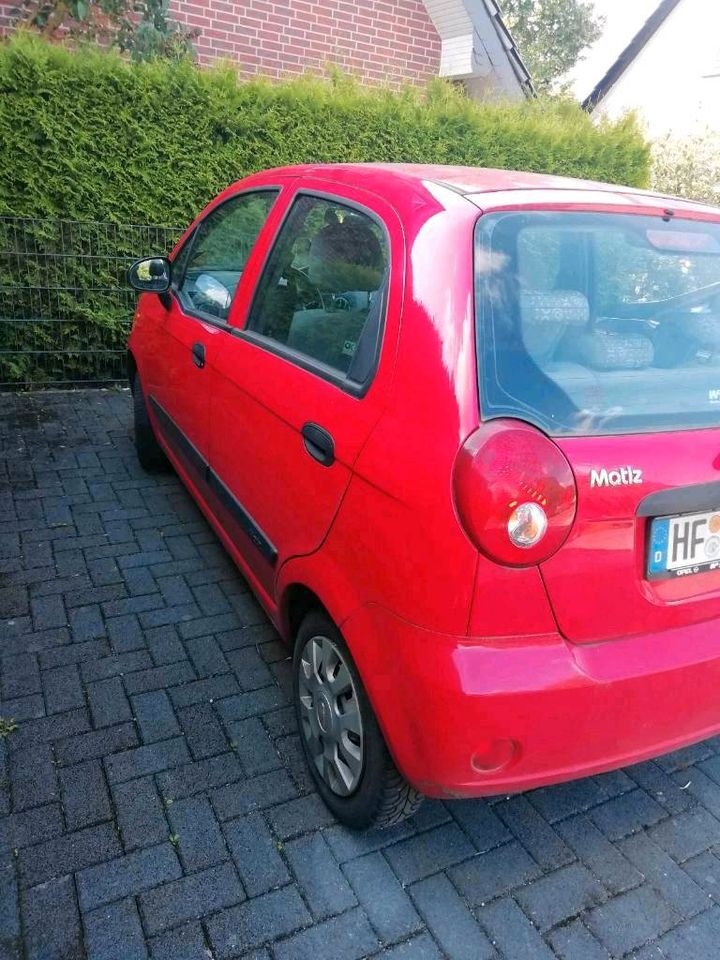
x=680, y=546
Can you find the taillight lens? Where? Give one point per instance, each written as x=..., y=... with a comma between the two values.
x=514, y=492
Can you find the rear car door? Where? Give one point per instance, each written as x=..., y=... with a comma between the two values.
x=206, y=272
x=302, y=384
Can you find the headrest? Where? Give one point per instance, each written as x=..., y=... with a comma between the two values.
x=569, y=307
x=544, y=317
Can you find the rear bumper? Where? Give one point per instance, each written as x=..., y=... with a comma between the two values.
x=466, y=717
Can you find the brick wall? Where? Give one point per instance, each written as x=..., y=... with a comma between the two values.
x=380, y=41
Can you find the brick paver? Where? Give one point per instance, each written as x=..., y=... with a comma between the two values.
x=153, y=800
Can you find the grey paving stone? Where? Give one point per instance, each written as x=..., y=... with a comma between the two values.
x=324, y=887
x=84, y=794
x=494, y=874
x=237, y=799
x=199, y=838
x=384, y=900
x=480, y=822
x=302, y=814
x=419, y=948
x=253, y=746
x=697, y=937
x=687, y=834
x=602, y=857
x=66, y=854
x=534, y=833
x=97, y=743
x=575, y=941
x=450, y=921
x=345, y=844
x=151, y=758
x=182, y=943
x=661, y=871
x=127, y=876
x=627, y=814
x=559, y=896
x=156, y=678
x=349, y=936
x=31, y=826
x=258, y=921
x=255, y=854
x=113, y=932
x=631, y=920
x=190, y=898
x=511, y=931
x=155, y=716
x=62, y=688
x=203, y=731
x=140, y=815
x=429, y=853
x=33, y=777
x=51, y=921
x=705, y=871
x=192, y=778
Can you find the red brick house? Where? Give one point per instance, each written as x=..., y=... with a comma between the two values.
x=379, y=41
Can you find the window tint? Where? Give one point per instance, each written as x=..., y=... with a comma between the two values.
x=322, y=290
x=209, y=267
x=599, y=323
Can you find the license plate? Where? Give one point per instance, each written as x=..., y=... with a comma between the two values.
x=684, y=545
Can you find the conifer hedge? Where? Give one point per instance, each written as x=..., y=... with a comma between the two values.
x=86, y=135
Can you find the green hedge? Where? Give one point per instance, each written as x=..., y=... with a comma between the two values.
x=87, y=136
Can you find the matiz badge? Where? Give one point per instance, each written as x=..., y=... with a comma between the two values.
x=622, y=477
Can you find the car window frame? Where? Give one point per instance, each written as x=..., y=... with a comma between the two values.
x=302, y=360
x=191, y=311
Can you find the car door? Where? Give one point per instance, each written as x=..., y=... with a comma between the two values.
x=206, y=272
x=301, y=385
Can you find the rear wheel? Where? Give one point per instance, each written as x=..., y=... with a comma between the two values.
x=344, y=748
x=149, y=452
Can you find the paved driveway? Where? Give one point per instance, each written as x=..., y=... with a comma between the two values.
x=154, y=800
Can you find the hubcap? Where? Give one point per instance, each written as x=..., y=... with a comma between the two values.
x=330, y=715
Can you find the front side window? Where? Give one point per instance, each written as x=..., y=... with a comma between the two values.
x=595, y=323
x=322, y=291
x=208, y=268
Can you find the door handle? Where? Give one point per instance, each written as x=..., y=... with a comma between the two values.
x=319, y=444
x=198, y=354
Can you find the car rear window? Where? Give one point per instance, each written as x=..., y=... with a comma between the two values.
x=595, y=323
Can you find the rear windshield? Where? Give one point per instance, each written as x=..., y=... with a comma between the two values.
x=594, y=323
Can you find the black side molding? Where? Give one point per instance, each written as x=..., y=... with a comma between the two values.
x=223, y=496
x=695, y=499
x=230, y=503
x=185, y=448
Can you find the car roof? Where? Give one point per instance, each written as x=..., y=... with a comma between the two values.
x=486, y=187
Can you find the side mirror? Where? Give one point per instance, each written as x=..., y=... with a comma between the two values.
x=150, y=275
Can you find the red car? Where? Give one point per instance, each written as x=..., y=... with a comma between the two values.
x=460, y=430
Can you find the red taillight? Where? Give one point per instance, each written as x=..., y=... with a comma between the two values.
x=514, y=492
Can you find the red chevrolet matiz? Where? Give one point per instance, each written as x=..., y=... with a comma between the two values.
x=460, y=430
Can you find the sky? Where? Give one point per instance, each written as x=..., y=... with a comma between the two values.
x=623, y=19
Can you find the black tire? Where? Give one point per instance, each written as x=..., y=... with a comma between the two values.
x=382, y=797
x=149, y=452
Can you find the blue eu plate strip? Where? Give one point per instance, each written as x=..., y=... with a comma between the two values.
x=659, y=534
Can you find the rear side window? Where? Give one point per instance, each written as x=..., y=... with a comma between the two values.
x=599, y=323
x=208, y=268
x=321, y=295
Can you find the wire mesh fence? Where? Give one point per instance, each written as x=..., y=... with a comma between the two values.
x=65, y=306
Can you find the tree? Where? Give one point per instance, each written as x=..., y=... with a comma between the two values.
x=551, y=34
x=687, y=167
x=142, y=28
